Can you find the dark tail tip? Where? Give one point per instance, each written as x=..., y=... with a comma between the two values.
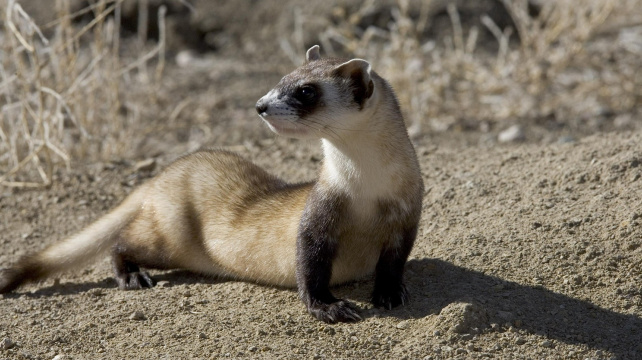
x=25, y=270
x=10, y=279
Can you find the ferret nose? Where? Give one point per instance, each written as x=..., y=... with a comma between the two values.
x=261, y=106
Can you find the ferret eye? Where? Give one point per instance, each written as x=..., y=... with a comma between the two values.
x=306, y=93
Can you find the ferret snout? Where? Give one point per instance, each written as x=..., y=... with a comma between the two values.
x=261, y=106
x=268, y=102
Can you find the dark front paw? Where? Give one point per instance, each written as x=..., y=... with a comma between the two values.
x=338, y=311
x=134, y=280
x=390, y=297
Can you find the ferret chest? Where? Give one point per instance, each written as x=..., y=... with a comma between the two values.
x=371, y=224
x=359, y=244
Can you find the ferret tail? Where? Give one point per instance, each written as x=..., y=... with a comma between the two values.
x=75, y=250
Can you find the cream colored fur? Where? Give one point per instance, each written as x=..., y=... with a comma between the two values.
x=218, y=214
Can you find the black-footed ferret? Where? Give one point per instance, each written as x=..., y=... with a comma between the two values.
x=213, y=212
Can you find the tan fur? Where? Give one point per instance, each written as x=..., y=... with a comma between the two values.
x=215, y=213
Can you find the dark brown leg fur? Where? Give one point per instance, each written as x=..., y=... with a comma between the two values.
x=316, y=250
x=389, y=290
x=127, y=273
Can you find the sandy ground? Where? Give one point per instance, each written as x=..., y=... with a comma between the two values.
x=525, y=250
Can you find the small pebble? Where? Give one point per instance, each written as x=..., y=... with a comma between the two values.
x=565, y=140
x=512, y=134
x=97, y=292
x=137, y=315
x=402, y=325
x=520, y=341
x=329, y=330
x=7, y=344
x=547, y=343
x=505, y=315
x=202, y=336
x=185, y=58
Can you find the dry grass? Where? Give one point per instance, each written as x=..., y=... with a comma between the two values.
x=553, y=72
x=68, y=95
x=65, y=96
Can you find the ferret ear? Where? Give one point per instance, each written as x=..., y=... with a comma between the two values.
x=312, y=54
x=359, y=72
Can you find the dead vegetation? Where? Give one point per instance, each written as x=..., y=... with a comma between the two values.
x=71, y=94
x=554, y=72
x=67, y=95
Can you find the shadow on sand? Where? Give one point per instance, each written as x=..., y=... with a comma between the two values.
x=434, y=284
x=172, y=277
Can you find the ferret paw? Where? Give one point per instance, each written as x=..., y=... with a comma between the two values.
x=390, y=297
x=135, y=280
x=339, y=311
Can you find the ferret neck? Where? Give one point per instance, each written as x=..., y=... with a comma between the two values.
x=366, y=164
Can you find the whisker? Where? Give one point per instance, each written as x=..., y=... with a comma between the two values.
x=319, y=129
x=297, y=123
x=346, y=129
x=326, y=130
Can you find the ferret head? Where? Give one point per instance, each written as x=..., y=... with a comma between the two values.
x=321, y=99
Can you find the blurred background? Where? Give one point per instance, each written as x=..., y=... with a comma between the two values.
x=102, y=80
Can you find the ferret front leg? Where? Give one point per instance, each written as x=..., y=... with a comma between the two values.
x=314, y=270
x=389, y=289
x=316, y=250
